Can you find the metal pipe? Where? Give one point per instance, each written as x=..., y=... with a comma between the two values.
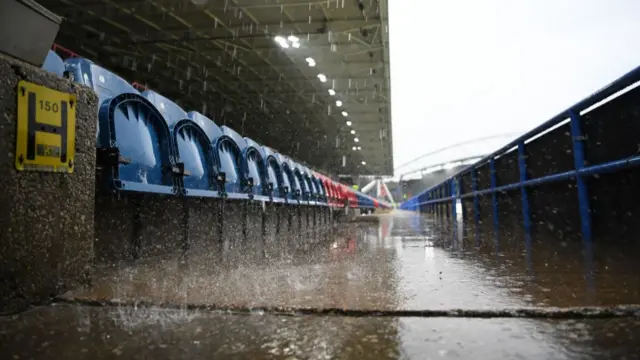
x=591, y=170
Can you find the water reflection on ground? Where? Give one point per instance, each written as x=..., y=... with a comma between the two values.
x=404, y=262
x=70, y=332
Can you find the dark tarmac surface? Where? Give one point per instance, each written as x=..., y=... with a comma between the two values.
x=400, y=264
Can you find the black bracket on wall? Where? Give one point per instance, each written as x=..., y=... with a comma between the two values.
x=111, y=157
x=221, y=180
x=268, y=190
x=177, y=169
x=247, y=185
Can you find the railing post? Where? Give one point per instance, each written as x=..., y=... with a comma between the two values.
x=435, y=206
x=453, y=199
x=522, y=166
x=444, y=191
x=431, y=208
x=437, y=197
x=578, y=159
x=439, y=203
x=476, y=201
x=494, y=196
x=462, y=208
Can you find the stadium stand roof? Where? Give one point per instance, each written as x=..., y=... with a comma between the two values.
x=246, y=64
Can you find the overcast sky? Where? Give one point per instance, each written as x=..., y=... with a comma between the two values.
x=472, y=68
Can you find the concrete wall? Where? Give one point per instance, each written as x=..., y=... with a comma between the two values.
x=56, y=229
x=137, y=226
x=46, y=219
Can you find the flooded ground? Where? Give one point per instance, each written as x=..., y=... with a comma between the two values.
x=402, y=263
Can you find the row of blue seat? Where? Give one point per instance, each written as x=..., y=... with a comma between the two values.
x=148, y=143
x=365, y=201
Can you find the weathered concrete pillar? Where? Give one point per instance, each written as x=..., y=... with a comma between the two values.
x=233, y=229
x=162, y=229
x=297, y=214
x=115, y=238
x=134, y=225
x=46, y=218
x=303, y=213
x=273, y=224
x=289, y=226
x=254, y=239
x=205, y=229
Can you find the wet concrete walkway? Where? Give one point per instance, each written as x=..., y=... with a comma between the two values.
x=402, y=263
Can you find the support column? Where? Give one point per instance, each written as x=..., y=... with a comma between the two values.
x=522, y=166
x=452, y=184
x=578, y=160
x=494, y=195
x=463, y=209
x=476, y=201
x=47, y=218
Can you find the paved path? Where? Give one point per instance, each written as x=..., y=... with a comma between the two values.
x=403, y=263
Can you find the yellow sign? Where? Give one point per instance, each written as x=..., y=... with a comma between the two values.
x=356, y=187
x=46, y=134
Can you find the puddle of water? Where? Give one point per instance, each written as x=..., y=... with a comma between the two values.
x=69, y=332
x=404, y=262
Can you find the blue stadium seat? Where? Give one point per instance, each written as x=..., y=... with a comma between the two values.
x=322, y=194
x=194, y=155
x=133, y=139
x=53, y=63
x=311, y=185
x=275, y=175
x=225, y=157
x=302, y=184
x=194, y=161
x=255, y=158
x=251, y=173
x=365, y=202
x=294, y=192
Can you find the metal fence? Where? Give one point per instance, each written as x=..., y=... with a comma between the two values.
x=597, y=135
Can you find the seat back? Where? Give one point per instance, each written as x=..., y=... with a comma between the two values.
x=195, y=138
x=128, y=122
x=250, y=162
x=224, y=155
x=255, y=158
x=193, y=145
x=53, y=63
x=207, y=125
x=319, y=187
x=289, y=178
x=311, y=185
x=275, y=174
x=171, y=111
x=300, y=181
x=106, y=84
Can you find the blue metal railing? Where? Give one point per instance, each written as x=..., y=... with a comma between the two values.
x=434, y=195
